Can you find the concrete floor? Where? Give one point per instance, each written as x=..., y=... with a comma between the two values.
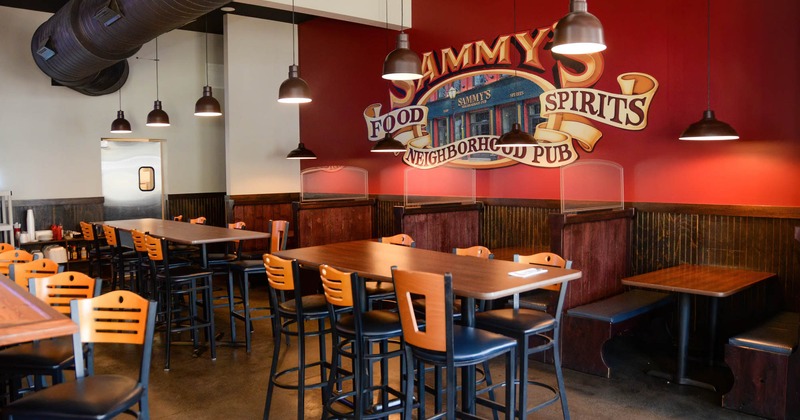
x=234, y=386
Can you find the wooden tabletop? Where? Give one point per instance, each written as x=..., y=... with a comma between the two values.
x=186, y=233
x=23, y=317
x=472, y=277
x=695, y=279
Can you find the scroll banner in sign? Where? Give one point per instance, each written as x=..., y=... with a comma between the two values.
x=565, y=119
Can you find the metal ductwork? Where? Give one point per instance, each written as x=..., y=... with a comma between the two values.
x=84, y=46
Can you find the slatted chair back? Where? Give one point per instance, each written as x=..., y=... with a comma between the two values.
x=280, y=273
x=87, y=229
x=337, y=285
x=198, y=221
x=12, y=257
x=139, y=243
x=110, y=232
x=437, y=291
x=178, y=218
x=474, y=251
x=279, y=235
x=60, y=289
x=155, y=249
x=6, y=247
x=399, y=239
x=43, y=267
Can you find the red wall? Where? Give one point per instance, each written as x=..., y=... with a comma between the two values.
x=755, y=48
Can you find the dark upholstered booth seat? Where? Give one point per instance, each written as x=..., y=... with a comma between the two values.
x=777, y=335
x=766, y=366
x=621, y=307
x=590, y=326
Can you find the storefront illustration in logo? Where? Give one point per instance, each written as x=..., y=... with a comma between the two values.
x=454, y=114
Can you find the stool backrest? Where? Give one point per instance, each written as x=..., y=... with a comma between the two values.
x=87, y=229
x=545, y=258
x=198, y=221
x=338, y=286
x=60, y=289
x=6, y=247
x=110, y=232
x=139, y=243
x=474, y=251
x=42, y=267
x=399, y=239
x=178, y=218
x=280, y=272
x=11, y=257
x=279, y=235
x=437, y=290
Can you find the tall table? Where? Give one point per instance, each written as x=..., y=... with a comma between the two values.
x=691, y=279
x=473, y=278
x=187, y=233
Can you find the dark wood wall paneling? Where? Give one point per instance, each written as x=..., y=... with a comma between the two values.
x=441, y=228
x=257, y=210
x=208, y=205
x=67, y=212
x=320, y=223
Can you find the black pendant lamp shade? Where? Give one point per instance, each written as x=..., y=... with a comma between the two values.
x=579, y=32
x=207, y=105
x=402, y=63
x=516, y=137
x=294, y=90
x=301, y=153
x=157, y=117
x=709, y=127
x=388, y=144
x=120, y=125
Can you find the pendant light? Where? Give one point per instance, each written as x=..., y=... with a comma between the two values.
x=301, y=153
x=207, y=105
x=120, y=125
x=388, y=144
x=516, y=137
x=294, y=90
x=157, y=117
x=709, y=128
x=402, y=63
x=579, y=32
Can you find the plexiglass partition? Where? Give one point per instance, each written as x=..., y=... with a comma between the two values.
x=325, y=183
x=441, y=185
x=592, y=185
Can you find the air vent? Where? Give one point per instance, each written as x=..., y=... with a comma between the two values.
x=108, y=14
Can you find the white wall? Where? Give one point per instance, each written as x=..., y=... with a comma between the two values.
x=259, y=130
x=49, y=136
x=366, y=12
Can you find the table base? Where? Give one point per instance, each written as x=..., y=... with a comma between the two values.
x=681, y=381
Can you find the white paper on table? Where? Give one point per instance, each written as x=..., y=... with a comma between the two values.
x=527, y=272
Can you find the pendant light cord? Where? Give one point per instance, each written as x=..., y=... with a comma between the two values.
x=120, y=98
x=708, y=57
x=206, y=49
x=401, y=16
x=294, y=56
x=156, y=60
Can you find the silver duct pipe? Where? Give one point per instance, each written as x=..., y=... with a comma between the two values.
x=84, y=45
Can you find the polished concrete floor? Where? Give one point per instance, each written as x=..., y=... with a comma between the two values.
x=234, y=386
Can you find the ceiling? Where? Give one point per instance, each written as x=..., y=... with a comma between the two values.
x=214, y=18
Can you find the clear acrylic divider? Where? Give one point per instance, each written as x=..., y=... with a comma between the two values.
x=441, y=185
x=325, y=183
x=589, y=185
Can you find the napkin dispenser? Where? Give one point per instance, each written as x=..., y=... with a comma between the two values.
x=56, y=253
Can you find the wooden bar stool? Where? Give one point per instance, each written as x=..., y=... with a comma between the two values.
x=355, y=332
x=291, y=316
x=175, y=283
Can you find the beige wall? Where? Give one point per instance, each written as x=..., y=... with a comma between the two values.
x=49, y=136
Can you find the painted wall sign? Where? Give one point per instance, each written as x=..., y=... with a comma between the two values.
x=466, y=96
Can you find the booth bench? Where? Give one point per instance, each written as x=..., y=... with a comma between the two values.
x=590, y=326
x=766, y=366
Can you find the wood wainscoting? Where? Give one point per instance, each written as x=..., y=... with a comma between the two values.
x=257, y=210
